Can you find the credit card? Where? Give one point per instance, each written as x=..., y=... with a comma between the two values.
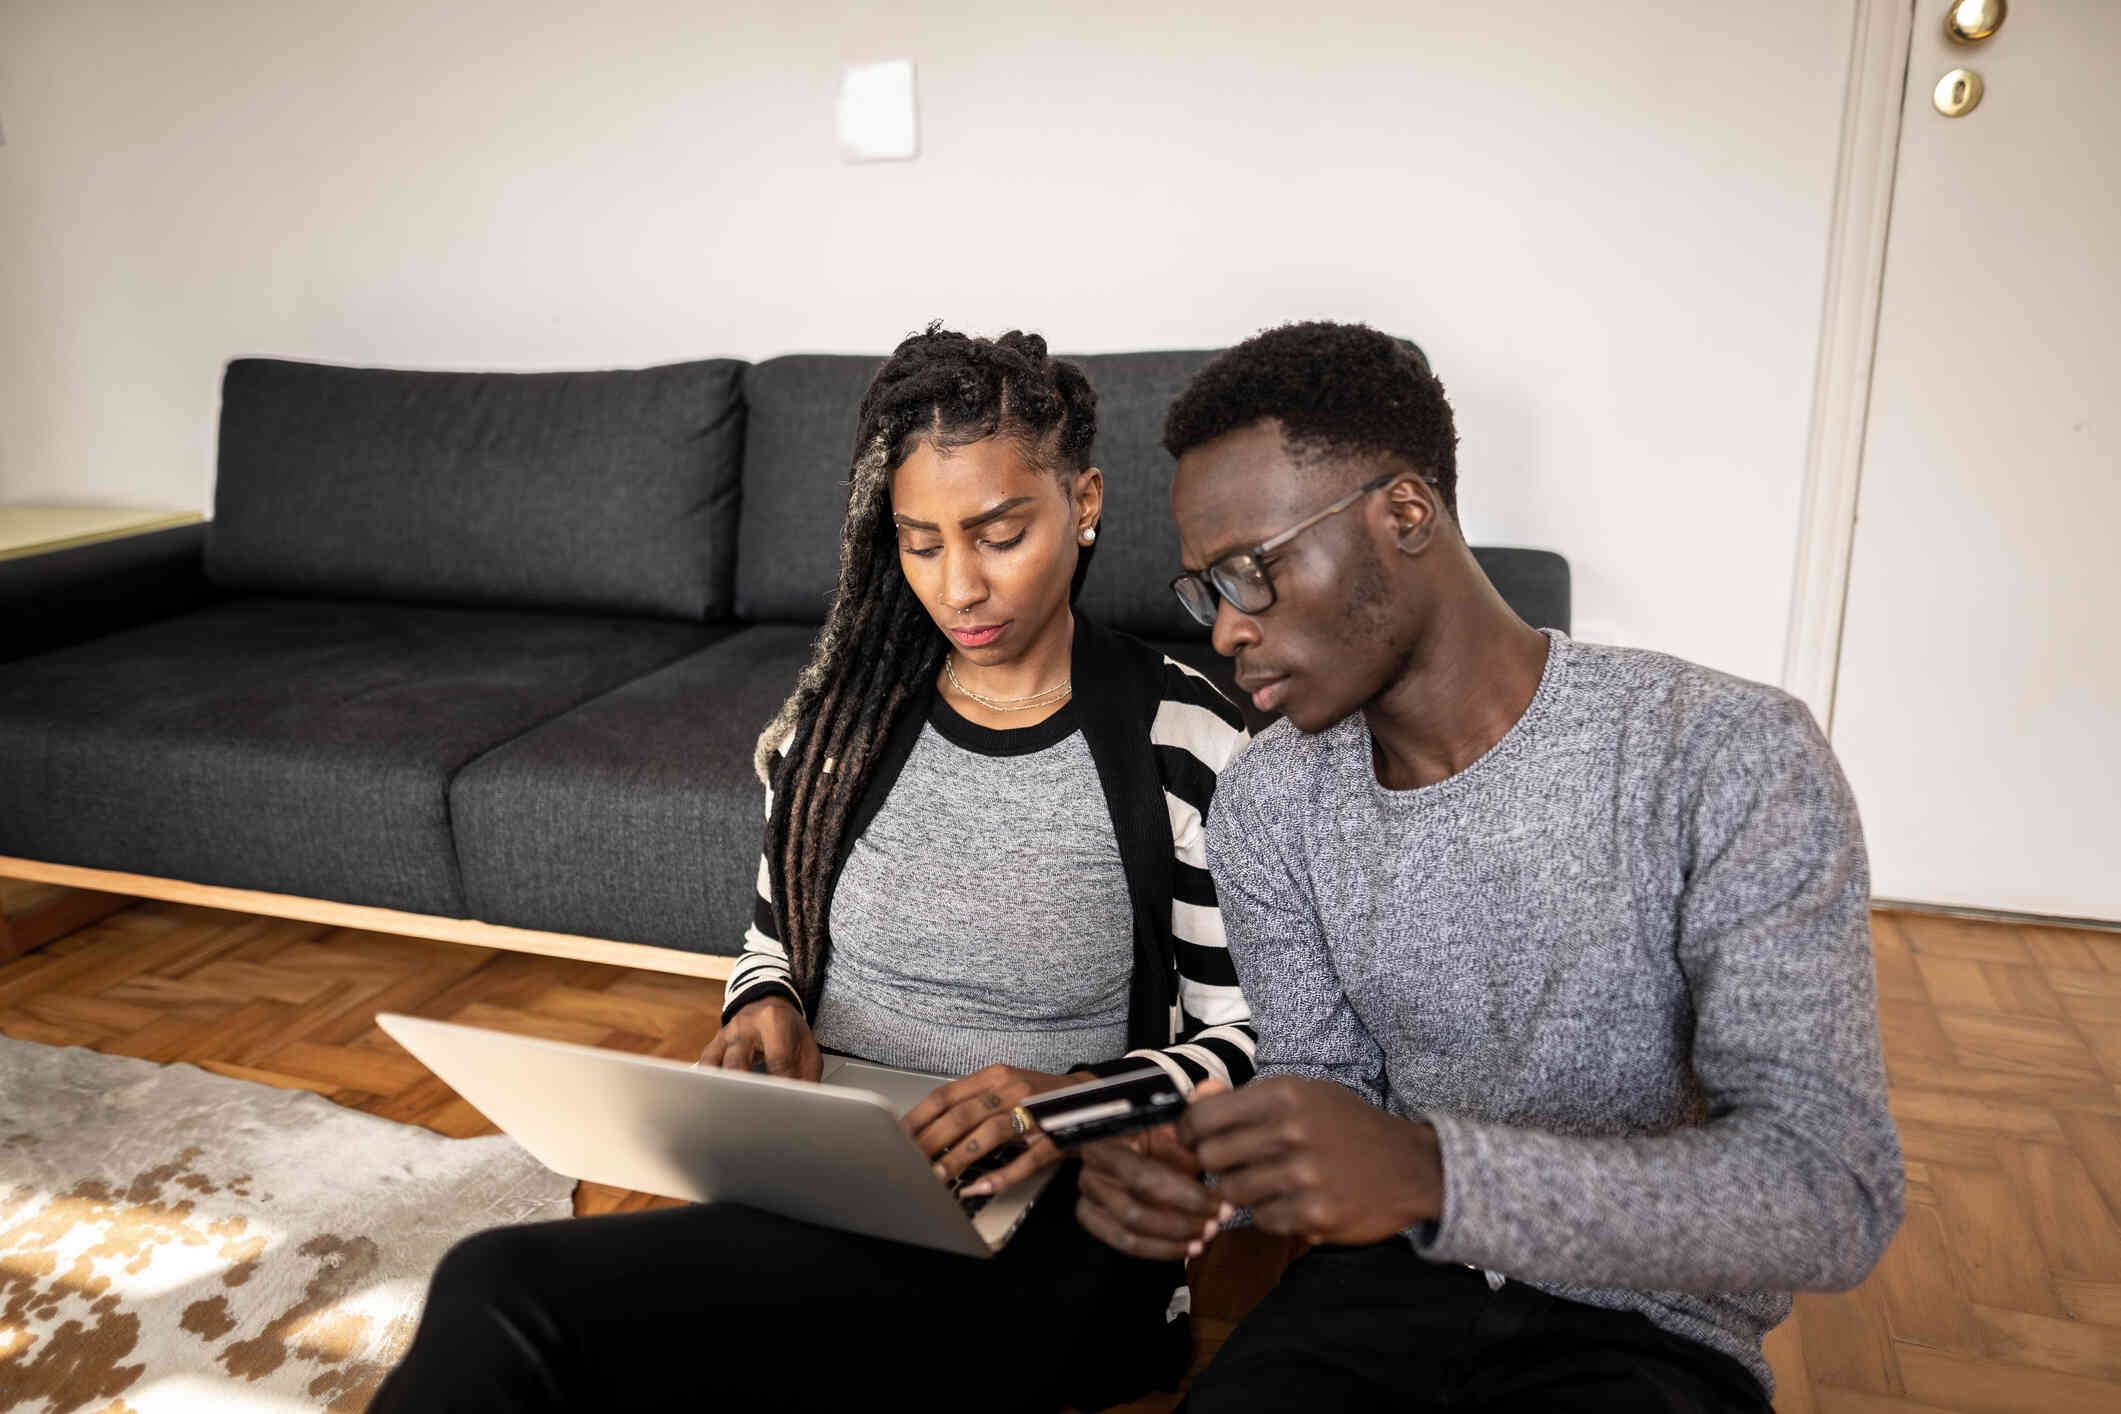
x=1100, y=1109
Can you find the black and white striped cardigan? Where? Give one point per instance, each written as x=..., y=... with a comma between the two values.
x=1159, y=734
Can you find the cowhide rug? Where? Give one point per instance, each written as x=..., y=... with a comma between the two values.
x=176, y=1240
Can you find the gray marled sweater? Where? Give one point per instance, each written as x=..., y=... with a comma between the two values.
x=1621, y=963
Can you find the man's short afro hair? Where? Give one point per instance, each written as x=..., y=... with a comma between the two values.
x=1336, y=389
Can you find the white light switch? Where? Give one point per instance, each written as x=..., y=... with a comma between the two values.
x=876, y=114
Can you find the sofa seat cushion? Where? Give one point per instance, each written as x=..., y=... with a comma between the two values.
x=295, y=746
x=635, y=816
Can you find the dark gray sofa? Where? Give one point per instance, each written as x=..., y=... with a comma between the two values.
x=495, y=646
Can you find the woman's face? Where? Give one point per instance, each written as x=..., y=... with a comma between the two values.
x=989, y=542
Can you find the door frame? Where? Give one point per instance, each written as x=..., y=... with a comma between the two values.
x=1872, y=105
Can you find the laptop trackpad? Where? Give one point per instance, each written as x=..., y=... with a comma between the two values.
x=902, y=1089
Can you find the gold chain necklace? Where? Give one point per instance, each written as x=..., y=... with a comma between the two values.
x=1010, y=704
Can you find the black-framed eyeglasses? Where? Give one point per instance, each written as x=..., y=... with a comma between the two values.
x=1241, y=576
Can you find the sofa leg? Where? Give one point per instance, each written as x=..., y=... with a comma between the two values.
x=46, y=915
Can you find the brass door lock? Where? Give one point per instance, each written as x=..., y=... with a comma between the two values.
x=1958, y=93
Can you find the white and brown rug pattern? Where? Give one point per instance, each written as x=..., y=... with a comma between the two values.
x=173, y=1240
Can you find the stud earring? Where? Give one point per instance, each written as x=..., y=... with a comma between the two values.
x=1089, y=535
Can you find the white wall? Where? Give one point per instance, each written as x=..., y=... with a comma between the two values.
x=1610, y=238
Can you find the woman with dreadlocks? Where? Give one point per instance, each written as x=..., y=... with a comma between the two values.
x=983, y=858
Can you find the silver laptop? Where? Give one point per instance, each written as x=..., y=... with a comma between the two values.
x=830, y=1153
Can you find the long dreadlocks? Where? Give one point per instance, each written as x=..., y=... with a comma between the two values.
x=879, y=649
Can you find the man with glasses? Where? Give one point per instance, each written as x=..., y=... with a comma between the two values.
x=1558, y=954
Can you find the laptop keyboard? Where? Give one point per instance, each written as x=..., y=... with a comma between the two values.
x=973, y=1202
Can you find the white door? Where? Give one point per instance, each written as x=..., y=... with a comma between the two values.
x=1978, y=704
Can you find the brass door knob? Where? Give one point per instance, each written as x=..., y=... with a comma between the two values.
x=1971, y=21
x=1958, y=93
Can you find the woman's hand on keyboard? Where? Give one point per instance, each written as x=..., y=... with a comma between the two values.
x=967, y=1119
x=771, y=1030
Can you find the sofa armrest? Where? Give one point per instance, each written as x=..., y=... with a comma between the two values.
x=54, y=600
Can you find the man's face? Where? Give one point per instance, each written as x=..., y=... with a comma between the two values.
x=1328, y=643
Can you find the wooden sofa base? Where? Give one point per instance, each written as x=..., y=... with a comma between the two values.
x=25, y=929
x=115, y=890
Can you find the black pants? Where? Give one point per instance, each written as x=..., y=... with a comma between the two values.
x=1377, y=1328
x=689, y=1308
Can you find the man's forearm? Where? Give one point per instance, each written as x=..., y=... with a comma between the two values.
x=1750, y=1200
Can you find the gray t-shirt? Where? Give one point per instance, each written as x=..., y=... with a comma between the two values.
x=1621, y=963
x=983, y=916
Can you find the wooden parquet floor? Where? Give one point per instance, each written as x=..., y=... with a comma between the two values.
x=2002, y=1294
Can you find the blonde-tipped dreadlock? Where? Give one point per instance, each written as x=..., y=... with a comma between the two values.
x=879, y=650
x=868, y=490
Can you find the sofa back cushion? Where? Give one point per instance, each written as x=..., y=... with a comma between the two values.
x=609, y=492
x=1137, y=545
x=801, y=438
x=798, y=443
